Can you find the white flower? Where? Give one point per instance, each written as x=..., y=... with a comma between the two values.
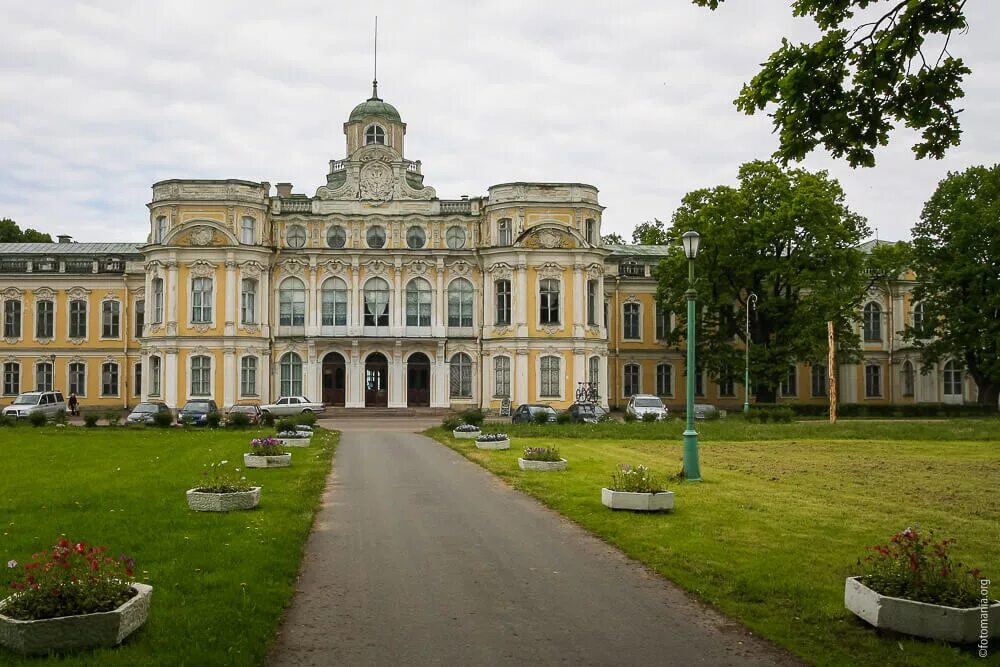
x=12, y=564
x=222, y=463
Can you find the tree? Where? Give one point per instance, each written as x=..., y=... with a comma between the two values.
x=788, y=237
x=650, y=233
x=861, y=77
x=11, y=233
x=612, y=239
x=956, y=258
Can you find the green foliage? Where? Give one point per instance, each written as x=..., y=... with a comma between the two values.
x=474, y=416
x=267, y=419
x=650, y=233
x=634, y=479
x=163, y=419
x=776, y=414
x=60, y=417
x=564, y=418
x=213, y=419
x=548, y=454
x=186, y=420
x=956, y=246
x=240, y=420
x=7, y=420
x=219, y=478
x=114, y=418
x=650, y=417
x=541, y=418
x=450, y=423
x=286, y=425
x=307, y=418
x=38, y=419
x=788, y=237
x=612, y=239
x=90, y=420
x=866, y=73
x=628, y=417
x=10, y=232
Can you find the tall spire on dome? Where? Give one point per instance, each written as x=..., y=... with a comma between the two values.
x=375, y=56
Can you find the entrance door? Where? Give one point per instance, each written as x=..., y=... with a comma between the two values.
x=376, y=381
x=418, y=380
x=334, y=371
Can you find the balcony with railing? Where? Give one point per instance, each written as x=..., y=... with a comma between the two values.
x=79, y=266
x=632, y=270
x=296, y=205
x=13, y=265
x=462, y=206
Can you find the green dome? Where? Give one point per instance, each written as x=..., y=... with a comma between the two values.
x=374, y=106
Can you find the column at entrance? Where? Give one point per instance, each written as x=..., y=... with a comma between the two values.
x=355, y=379
x=397, y=377
x=439, y=379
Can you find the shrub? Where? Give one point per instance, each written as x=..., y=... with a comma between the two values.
x=69, y=579
x=238, y=420
x=286, y=425
x=90, y=420
x=917, y=568
x=629, y=417
x=38, y=419
x=267, y=419
x=216, y=478
x=541, y=417
x=213, y=419
x=474, y=416
x=60, y=417
x=650, y=417
x=307, y=418
x=450, y=423
x=186, y=420
x=564, y=418
x=163, y=419
x=7, y=420
x=635, y=479
x=113, y=418
x=541, y=454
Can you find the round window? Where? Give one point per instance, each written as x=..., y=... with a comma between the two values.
x=455, y=238
x=376, y=237
x=415, y=237
x=295, y=236
x=336, y=237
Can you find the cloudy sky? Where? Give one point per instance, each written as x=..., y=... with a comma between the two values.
x=98, y=100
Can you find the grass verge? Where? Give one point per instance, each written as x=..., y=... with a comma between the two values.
x=777, y=525
x=220, y=581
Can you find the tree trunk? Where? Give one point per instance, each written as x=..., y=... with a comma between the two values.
x=989, y=394
x=764, y=394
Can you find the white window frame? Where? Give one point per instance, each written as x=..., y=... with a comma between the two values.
x=248, y=300
x=638, y=378
x=423, y=237
x=160, y=229
x=505, y=232
x=638, y=321
x=459, y=393
x=812, y=381
x=540, y=377
x=501, y=387
x=287, y=362
x=296, y=227
x=249, y=370
x=11, y=367
x=951, y=376
x=471, y=296
x=339, y=287
x=86, y=319
x=248, y=224
x=51, y=376
x=878, y=368
x=460, y=234
x=507, y=308
x=20, y=318
x=156, y=289
x=137, y=378
x=211, y=376
x=559, y=304
x=871, y=322
x=117, y=375
x=428, y=294
x=783, y=388
x=69, y=379
x=332, y=229
x=154, y=379
x=376, y=327
x=117, y=318
x=290, y=297
x=373, y=133
x=52, y=313
x=201, y=306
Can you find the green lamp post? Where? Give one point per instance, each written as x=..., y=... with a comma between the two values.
x=751, y=300
x=692, y=468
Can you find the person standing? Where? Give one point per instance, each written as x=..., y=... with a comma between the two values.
x=73, y=404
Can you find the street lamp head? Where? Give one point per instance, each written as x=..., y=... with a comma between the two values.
x=690, y=240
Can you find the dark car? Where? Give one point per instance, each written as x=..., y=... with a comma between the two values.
x=144, y=412
x=587, y=413
x=525, y=414
x=196, y=412
x=251, y=411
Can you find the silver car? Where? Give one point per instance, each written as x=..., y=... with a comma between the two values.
x=292, y=405
x=641, y=405
x=49, y=403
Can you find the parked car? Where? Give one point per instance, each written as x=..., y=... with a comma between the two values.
x=587, y=413
x=702, y=410
x=197, y=411
x=525, y=414
x=252, y=412
x=144, y=412
x=643, y=404
x=292, y=405
x=49, y=403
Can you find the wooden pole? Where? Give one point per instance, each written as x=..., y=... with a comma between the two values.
x=831, y=371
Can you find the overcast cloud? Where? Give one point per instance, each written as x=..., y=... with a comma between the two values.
x=99, y=100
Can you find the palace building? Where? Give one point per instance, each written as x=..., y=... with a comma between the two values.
x=376, y=292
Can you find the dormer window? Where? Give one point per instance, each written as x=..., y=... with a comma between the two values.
x=374, y=134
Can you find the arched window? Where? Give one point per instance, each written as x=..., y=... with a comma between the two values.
x=154, y=376
x=248, y=301
x=548, y=301
x=664, y=380
x=374, y=134
x=416, y=237
x=550, y=376
x=503, y=302
x=292, y=303
x=157, y=288
x=334, y=303
x=336, y=237
x=201, y=300
x=594, y=372
x=78, y=318
x=460, y=303
x=78, y=378
x=873, y=322
x=290, y=375
x=295, y=236
x=11, y=378
x=109, y=379
x=952, y=379
x=418, y=303
x=501, y=377
x=631, y=384
x=375, y=236
x=43, y=376
x=873, y=381
x=504, y=233
x=909, y=378
x=376, y=303
x=461, y=376
x=201, y=376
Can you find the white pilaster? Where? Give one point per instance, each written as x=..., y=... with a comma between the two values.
x=171, y=294
x=521, y=378
x=520, y=297
x=232, y=289
x=264, y=377
x=439, y=379
x=439, y=329
x=170, y=378
x=229, y=377
x=397, y=378
x=579, y=311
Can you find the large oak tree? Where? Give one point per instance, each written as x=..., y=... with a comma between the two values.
x=787, y=236
x=10, y=232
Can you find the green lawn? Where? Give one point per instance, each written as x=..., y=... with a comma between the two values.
x=220, y=581
x=782, y=515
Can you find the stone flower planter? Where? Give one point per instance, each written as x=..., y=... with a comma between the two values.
x=301, y=440
x=950, y=624
x=85, y=631
x=542, y=466
x=494, y=444
x=464, y=435
x=273, y=461
x=200, y=501
x=639, y=502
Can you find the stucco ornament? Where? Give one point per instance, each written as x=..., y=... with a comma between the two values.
x=202, y=236
x=202, y=269
x=376, y=181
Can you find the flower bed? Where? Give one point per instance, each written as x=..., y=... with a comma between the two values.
x=493, y=441
x=295, y=438
x=467, y=431
x=636, y=488
x=267, y=453
x=542, y=459
x=223, y=491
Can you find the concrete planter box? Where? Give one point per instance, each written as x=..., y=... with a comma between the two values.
x=295, y=442
x=494, y=444
x=274, y=461
x=542, y=466
x=86, y=631
x=639, y=502
x=950, y=624
x=200, y=501
x=464, y=435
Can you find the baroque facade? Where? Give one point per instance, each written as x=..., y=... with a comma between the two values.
x=375, y=292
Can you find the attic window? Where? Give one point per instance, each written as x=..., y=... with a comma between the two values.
x=374, y=134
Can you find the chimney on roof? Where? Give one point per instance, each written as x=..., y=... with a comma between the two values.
x=65, y=238
x=284, y=189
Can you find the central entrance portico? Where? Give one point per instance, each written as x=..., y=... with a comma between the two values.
x=418, y=380
x=376, y=381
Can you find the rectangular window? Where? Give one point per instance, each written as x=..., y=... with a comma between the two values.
x=592, y=300
x=154, y=376
x=630, y=322
x=12, y=319
x=664, y=380
x=11, y=378
x=248, y=302
x=137, y=380
x=818, y=380
x=201, y=378
x=952, y=379
x=201, y=300
x=790, y=385
x=662, y=322
x=44, y=319
x=140, y=317
x=727, y=388
x=699, y=383
x=503, y=303
x=248, y=376
x=548, y=302
x=873, y=381
x=110, y=319
x=594, y=372
x=157, y=288
x=43, y=376
x=248, y=231
x=78, y=378
x=78, y=319
x=160, y=230
x=334, y=308
x=591, y=231
x=551, y=377
x=501, y=376
x=631, y=384
x=109, y=379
